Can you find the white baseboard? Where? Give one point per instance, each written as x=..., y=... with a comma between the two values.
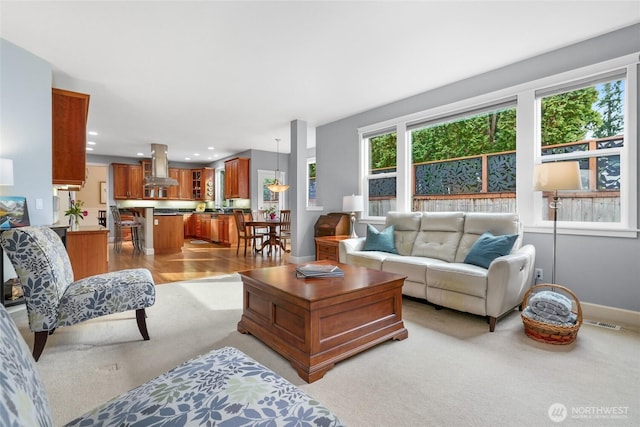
x=618, y=316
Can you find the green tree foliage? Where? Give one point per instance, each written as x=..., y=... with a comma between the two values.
x=485, y=133
x=610, y=107
x=383, y=151
x=568, y=117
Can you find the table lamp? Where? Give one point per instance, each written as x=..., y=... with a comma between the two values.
x=353, y=204
x=553, y=177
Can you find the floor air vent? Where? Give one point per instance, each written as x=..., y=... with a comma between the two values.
x=602, y=324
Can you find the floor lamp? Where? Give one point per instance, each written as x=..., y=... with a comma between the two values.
x=353, y=204
x=553, y=177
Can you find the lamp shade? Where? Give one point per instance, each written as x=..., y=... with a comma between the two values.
x=352, y=203
x=6, y=172
x=557, y=176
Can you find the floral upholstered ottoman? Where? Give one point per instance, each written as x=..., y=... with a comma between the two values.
x=224, y=388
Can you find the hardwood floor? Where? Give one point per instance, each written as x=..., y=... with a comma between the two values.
x=197, y=260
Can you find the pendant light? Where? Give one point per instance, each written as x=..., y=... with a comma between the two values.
x=276, y=187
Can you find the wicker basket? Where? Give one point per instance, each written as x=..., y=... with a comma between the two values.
x=546, y=332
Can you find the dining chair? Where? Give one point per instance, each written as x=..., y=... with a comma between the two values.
x=53, y=299
x=244, y=232
x=262, y=232
x=284, y=232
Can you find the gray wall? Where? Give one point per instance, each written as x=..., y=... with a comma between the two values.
x=25, y=128
x=599, y=270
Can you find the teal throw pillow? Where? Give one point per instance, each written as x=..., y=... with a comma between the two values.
x=380, y=240
x=489, y=247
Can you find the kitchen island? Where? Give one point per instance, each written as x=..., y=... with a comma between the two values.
x=168, y=233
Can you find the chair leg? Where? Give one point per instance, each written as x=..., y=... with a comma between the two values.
x=39, y=341
x=142, y=323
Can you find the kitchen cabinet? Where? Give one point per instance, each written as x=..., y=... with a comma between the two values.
x=202, y=184
x=223, y=229
x=173, y=191
x=88, y=251
x=187, y=221
x=227, y=233
x=69, y=136
x=167, y=238
x=215, y=233
x=127, y=181
x=236, y=178
x=186, y=185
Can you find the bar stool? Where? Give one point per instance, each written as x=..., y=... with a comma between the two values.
x=120, y=225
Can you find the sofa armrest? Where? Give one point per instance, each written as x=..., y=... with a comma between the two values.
x=509, y=277
x=348, y=246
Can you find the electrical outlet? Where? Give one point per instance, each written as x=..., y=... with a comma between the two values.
x=539, y=274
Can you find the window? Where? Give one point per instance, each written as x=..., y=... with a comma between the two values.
x=311, y=182
x=465, y=163
x=585, y=121
x=381, y=160
x=478, y=155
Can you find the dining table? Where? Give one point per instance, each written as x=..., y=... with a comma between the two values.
x=273, y=240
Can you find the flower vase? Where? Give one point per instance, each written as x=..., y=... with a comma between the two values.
x=75, y=223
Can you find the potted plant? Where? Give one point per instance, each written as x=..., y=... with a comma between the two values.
x=75, y=213
x=270, y=212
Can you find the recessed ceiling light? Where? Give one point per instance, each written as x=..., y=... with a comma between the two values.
x=187, y=158
x=89, y=149
x=210, y=148
x=140, y=154
x=92, y=132
x=196, y=154
x=91, y=143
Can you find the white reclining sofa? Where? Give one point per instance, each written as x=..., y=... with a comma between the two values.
x=432, y=248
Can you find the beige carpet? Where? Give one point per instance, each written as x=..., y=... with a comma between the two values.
x=450, y=371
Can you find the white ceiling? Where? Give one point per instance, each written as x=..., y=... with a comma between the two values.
x=232, y=75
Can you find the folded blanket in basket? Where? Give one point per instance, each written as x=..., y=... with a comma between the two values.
x=569, y=320
x=551, y=303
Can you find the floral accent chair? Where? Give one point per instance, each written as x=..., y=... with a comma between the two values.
x=223, y=387
x=53, y=299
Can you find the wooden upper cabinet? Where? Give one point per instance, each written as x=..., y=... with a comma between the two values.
x=70, y=112
x=236, y=178
x=186, y=185
x=127, y=181
x=173, y=191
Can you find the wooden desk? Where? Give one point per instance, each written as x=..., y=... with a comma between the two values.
x=327, y=247
x=88, y=251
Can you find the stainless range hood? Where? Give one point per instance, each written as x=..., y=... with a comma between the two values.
x=159, y=168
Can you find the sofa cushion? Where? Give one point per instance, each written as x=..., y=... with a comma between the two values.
x=414, y=267
x=369, y=259
x=380, y=240
x=477, y=223
x=439, y=235
x=406, y=226
x=489, y=247
x=457, y=277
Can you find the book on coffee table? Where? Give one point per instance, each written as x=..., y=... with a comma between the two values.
x=317, y=270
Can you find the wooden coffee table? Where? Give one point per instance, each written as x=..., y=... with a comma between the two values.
x=314, y=323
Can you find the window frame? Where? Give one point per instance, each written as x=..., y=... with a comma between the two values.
x=528, y=203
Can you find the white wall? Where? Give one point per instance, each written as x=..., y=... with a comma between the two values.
x=599, y=270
